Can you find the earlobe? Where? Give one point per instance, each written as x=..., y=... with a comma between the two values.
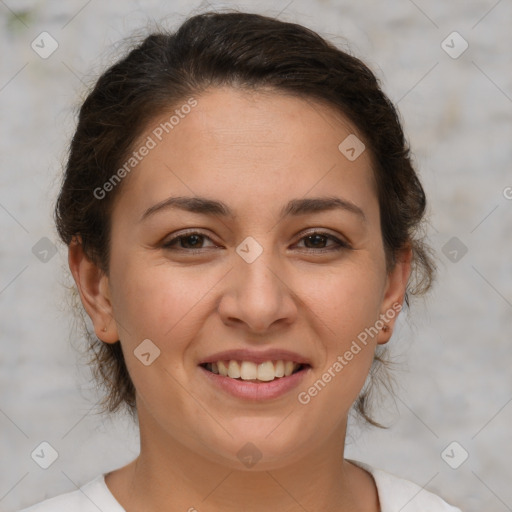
x=394, y=294
x=93, y=287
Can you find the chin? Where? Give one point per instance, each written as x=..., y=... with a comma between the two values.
x=259, y=452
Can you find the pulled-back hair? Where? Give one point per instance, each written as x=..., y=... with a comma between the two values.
x=240, y=50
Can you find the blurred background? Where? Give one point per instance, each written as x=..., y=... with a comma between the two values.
x=447, y=67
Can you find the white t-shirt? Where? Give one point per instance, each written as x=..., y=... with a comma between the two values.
x=395, y=494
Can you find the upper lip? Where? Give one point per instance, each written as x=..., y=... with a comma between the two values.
x=255, y=356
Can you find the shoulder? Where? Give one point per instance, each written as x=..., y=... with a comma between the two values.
x=89, y=497
x=397, y=493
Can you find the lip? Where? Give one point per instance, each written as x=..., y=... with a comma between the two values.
x=256, y=391
x=257, y=357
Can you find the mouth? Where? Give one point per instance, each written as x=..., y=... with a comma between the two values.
x=249, y=371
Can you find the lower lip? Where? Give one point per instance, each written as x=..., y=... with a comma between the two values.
x=257, y=391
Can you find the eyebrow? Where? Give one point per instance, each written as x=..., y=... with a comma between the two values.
x=295, y=207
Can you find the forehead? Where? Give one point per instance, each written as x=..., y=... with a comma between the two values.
x=234, y=143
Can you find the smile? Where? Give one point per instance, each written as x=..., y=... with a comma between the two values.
x=253, y=372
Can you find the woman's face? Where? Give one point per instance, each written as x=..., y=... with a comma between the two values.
x=261, y=273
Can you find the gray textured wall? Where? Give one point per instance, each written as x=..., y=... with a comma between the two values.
x=454, y=381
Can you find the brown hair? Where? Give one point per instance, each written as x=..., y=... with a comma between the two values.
x=239, y=50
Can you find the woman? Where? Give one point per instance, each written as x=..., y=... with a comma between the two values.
x=242, y=218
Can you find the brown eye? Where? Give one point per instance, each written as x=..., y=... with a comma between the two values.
x=318, y=240
x=189, y=241
x=192, y=241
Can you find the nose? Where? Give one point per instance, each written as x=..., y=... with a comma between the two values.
x=258, y=296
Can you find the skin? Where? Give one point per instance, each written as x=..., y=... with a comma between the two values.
x=254, y=151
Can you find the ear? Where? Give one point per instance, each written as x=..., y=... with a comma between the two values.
x=93, y=286
x=394, y=294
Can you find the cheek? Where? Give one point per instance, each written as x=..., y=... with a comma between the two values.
x=348, y=349
x=348, y=306
x=347, y=301
x=159, y=302
x=138, y=302
x=153, y=302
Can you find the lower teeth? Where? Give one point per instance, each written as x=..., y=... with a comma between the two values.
x=256, y=380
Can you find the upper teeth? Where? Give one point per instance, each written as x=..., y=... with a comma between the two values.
x=247, y=370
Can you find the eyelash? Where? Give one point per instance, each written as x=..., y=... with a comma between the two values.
x=341, y=245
